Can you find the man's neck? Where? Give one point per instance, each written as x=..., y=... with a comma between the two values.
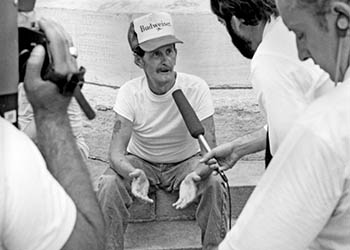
x=160, y=88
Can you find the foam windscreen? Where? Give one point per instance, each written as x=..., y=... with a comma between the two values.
x=191, y=119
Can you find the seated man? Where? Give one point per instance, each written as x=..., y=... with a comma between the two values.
x=151, y=144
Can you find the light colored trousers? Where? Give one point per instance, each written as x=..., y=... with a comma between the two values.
x=114, y=195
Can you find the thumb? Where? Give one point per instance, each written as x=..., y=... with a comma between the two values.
x=35, y=62
x=134, y=174
x=196, y=177
x=207, y=157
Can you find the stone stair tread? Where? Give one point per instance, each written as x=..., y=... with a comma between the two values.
x=164, y=235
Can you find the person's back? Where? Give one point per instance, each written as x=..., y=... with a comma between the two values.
x=305, y=192
x=285, y=86
x=30, y=196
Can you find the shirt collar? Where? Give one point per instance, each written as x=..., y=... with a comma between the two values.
x=269, y=25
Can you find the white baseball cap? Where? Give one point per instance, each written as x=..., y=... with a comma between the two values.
x=153, y=31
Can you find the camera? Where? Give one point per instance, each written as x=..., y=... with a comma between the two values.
x=28, y=38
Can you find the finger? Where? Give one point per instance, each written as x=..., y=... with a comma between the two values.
x=207, y=157
x=212, y=161
x=177, y=202
x=69, y=40
x=57, y=43
x=142, y=197
x=214, y=166
x=182, y=204
x=196, y=177
x=147, y=199
x=224, y=168
x=34, y=65
x=134, y=174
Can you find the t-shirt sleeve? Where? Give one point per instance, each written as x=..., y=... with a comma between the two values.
x=124, y=103
x=204, y=102
x=38, y=212
x=293, y=200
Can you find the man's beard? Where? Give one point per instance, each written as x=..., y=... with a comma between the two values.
x=243, y=45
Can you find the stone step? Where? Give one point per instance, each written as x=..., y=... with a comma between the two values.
x=163, y=235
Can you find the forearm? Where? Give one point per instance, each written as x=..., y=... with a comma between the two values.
x=250, y=143
x=65, y=162
x=121, y=164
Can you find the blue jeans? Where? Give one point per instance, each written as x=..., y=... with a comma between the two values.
x=114, y=195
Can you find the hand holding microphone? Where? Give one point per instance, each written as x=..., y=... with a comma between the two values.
x=193, y=124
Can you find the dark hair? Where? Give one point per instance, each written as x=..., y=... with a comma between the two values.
x=250, y=11
x=133, y=41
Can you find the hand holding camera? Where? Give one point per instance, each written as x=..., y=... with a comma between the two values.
x=48, y=54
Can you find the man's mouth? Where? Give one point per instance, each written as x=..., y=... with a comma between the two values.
x=164, y=70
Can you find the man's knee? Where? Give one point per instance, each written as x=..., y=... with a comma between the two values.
x=214, y=184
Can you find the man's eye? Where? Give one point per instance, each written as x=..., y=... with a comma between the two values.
x=300, y=36
x=156, y=54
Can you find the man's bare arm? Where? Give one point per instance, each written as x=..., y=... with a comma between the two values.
x=228, y=154
x=56, y=141
x=117, y=151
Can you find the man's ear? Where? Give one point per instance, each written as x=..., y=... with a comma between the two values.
x=342, y=10
x=138, y=61
x=236, y=23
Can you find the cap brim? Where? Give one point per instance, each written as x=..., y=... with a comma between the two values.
x=156, y=43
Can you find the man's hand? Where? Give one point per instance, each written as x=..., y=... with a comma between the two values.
x=188, y=190
x=140, y=185
x=224, y=155
x=44, y=95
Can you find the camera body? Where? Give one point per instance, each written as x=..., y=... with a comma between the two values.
x=28, y=38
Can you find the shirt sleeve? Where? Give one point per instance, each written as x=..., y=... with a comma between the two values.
x=38, y=213
x=204, y=103
x=294, y=199
x=124, y=104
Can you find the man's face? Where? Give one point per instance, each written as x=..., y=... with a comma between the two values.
x=242, y=41
x=313, y=41
x=159, y=64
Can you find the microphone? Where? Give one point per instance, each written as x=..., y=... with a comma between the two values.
x=192, y=122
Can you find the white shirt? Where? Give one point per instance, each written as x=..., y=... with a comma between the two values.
x=303, y=199
x=284, y=84
x=35, y=211
x=159, y=132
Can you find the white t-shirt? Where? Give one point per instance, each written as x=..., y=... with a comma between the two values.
x=303, y=199
x=36, y=213
x=159, y=132
x=284, y=84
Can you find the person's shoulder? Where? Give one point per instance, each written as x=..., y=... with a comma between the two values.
x=133, y=84
x=186, y=80
x=329, y=115
x=278, y=44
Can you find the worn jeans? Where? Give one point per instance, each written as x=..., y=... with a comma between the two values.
x=114, y=195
